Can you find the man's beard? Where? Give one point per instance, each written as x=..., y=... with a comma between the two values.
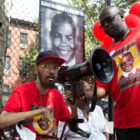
x=46, y=85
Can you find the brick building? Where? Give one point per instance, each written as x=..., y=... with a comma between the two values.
x=21, y=35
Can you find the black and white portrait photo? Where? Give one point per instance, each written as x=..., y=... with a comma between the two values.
x=62, y=31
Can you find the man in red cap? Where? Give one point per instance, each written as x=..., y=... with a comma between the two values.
x=39, y=101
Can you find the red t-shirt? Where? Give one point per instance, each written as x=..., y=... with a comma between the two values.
x=125, y=91
x=26, y=98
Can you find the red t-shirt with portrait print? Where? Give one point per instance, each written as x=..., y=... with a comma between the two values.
x=125, y=91
x=26, y=98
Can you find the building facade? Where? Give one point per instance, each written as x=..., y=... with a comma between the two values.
x=21, y=35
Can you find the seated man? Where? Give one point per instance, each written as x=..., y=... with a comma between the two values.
x=94, y=122
x=39, y=101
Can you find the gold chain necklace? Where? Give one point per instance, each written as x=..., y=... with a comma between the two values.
x=41, y=100
x=42, y=137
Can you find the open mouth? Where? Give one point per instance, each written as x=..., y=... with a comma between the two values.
x=51, y=78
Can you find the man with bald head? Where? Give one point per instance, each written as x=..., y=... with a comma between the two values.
x=126, y=92
x=113, y=23
x=126, y=113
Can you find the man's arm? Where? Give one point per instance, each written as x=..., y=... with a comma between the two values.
x=106, y=135
x=101, y=92
x=9, y=118
x=81, y=88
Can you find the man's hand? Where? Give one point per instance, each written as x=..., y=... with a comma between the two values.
x=50, y=122
x=67, y=97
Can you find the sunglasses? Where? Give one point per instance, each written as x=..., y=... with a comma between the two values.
x=108, y=19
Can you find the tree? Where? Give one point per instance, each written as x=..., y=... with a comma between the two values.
x=3, y=42
x=30, y=56
x=29, y=59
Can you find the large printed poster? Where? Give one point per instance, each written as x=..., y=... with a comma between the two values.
x=62, y=31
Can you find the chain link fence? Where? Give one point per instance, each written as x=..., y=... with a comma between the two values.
x=18, y=47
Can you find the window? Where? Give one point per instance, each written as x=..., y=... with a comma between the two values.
x=23, y=40
x=5, y=89
x=7, y=65
x=22, y=67
x=9, y=38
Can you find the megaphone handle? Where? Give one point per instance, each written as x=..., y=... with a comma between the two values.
x=94, y=98
x=76, y=129
x=73, y=86
x=82, y=133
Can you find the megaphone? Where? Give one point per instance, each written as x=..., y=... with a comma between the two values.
x=99, y=65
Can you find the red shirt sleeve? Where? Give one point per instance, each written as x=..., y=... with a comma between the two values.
x=105, y=86
x=14, y=102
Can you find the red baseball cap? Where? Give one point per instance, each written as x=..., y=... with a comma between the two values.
x=49, y=55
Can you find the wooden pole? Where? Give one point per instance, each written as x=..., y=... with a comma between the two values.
x=108, y=2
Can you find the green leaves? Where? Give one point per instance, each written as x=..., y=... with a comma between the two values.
x=31, y=53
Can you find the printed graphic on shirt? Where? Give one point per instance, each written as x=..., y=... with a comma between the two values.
x=39, y=124
x=127, y=59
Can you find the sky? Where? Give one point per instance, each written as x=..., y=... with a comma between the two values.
x=27, y=10
x=62, y=1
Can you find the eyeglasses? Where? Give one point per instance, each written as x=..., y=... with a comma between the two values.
x=48, y=67
x=108, y=19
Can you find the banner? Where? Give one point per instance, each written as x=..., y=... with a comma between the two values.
x=61, y=29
